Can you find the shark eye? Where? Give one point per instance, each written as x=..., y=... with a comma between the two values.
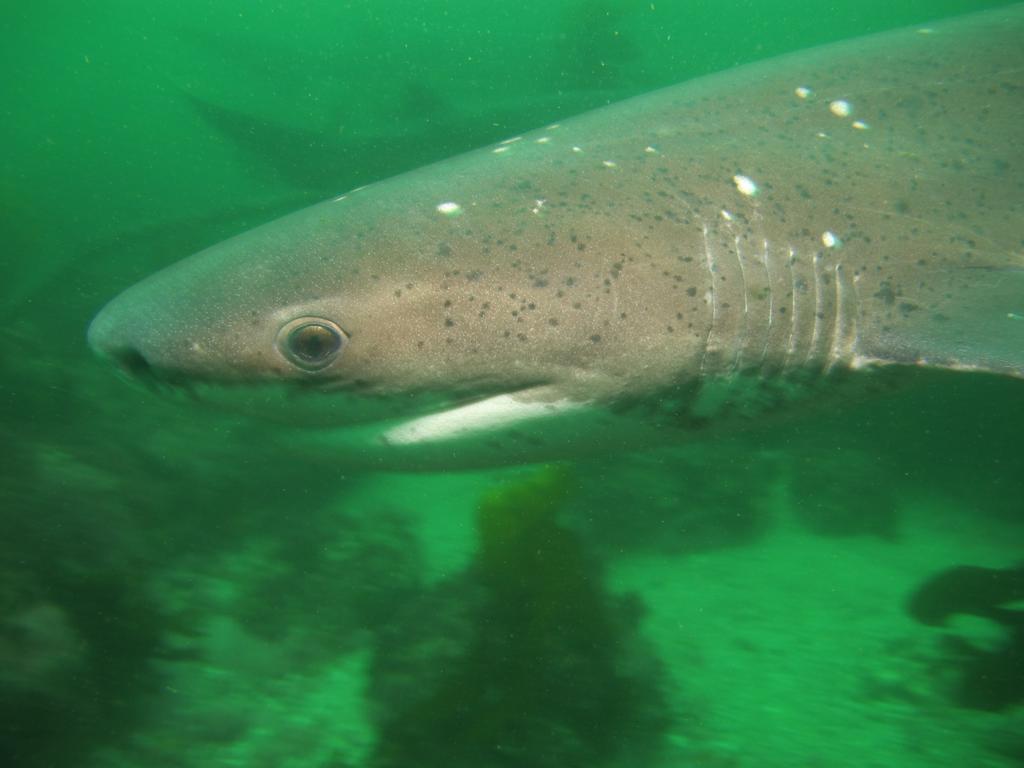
x=311, y=343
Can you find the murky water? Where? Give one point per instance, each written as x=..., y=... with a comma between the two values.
x=177, y=588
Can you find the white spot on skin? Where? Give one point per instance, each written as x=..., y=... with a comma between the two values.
x=745, y=185
x=537, y=205
x=543, y=139
x=860, y=125
x=726, y=215
x=608, y=163
x=339, y=198
x=822, y=135
x=1014, y=316
x=577, y=149
x=803, y=92
x=650, y=150
x=554, y=126
x=830, y=240
x=512, y=140
x=840, y=108
x=449, y=209
x=499, y=150
x=926, y=31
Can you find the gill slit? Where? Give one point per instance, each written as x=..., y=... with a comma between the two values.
x=771, y=302
x=791, y=346
x=710, y=262
x=741, y=342
x=819, y=313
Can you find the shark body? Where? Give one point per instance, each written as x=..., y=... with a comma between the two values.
x=740, y=245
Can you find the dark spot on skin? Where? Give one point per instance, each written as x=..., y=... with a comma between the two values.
x=595, y=338
x=444, y=250
x=447, y=303
x=552, y=321
x=448, y=322
x=691, y=291
x=907, y=307
x=886, y=294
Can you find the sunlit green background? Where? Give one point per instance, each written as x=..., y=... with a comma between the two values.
x=175, y=591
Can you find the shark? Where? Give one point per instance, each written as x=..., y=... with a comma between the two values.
x=747, y=246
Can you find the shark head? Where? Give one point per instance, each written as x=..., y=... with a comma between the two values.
x=337, y=300
x=393, y=308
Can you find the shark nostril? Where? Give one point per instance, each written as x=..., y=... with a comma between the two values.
x=133, y=363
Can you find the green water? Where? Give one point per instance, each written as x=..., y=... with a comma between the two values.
x=176, y=591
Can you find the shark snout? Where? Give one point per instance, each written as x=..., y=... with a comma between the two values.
x=109, y=336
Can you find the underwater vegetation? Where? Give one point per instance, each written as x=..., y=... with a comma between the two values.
x=93, y=518
x=354, y=579
x=987, y=678
x=75, y=654
x=526, y=660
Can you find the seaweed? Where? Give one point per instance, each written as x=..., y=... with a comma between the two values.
x=547, y=671
x=989, y=679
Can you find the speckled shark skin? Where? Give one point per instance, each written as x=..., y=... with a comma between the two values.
x=718, y=249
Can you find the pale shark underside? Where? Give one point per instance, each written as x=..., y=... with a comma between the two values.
x=745, y=244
